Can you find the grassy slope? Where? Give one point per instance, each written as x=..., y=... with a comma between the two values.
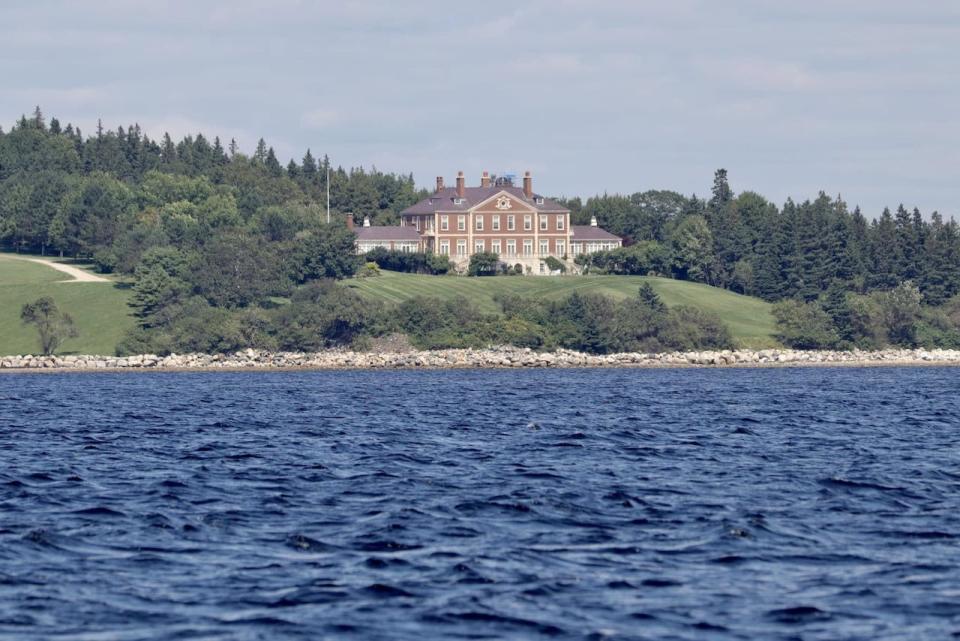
x=748, y=318
x=99, y=309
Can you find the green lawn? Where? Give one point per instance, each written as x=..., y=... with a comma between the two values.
x=99, y=309
x=748, y=318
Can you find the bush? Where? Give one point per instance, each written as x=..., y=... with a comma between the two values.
x=483, y=264
x=53, y=326
x=804, y=325
x=105, y=261
x=555, y=265
x=368, y=271
x=410, y=262
x=322, y=314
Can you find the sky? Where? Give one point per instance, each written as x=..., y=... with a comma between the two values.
x=853, y=97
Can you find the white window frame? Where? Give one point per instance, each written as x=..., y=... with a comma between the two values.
x=495, y=222
x=445, y=247
x=495, y=246
x=511, y=222
x=461, y=248
x=544, y=223
x=511, y=247
x=561, y=247
x=479, y=245
x=544, y=247
x=479, y=223
x=560, y=222
x=527, y=222
x=461, y=223
x=528, y=247
x=444, y=223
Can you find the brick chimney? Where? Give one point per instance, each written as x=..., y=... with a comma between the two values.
x=485, y=179
x=439, y=183
x=460, y=184
x=527, y=185
x=350, y=222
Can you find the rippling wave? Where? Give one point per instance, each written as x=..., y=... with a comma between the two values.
x=581, y=504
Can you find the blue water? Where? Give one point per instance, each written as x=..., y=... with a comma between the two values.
x=582, y=504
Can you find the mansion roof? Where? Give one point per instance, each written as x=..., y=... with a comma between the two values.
x=589, y=232
x=446, y=200
x=385, y=233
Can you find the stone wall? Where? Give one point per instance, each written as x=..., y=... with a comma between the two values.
x=497, y=357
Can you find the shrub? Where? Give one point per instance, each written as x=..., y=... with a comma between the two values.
x=483, y=264
x=804, y=325
x=105, y=261
x=53, y=326
x=410, y=262
x=555, y=265
x=369, y=270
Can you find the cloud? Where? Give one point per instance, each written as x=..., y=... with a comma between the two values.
x=550, y=64
x=320, y=119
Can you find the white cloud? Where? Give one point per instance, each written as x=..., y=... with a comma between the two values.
x=320, y=118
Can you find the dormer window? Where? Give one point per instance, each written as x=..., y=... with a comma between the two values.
x=539, y=200
x=458, y=201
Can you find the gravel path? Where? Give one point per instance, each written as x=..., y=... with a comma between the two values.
x=79, y=275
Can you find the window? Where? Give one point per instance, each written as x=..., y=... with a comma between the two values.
x=479, y=223
x=444, y=223
x=495, y=223
x=429, y=224
x=511, y=223
x=461, y=248
x=511, y=248
x=543, y=223
x=416, y=222
x=544, y=247
x=445, y=247
x=528, y=248
x=479, y=246
x=458, y=201
x=461, y=223
x=527, y=222
x=539, y=200
x=561, y=248
x=495, y=246
x=560, y=222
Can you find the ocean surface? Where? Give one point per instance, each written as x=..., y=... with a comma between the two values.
x=566, y=504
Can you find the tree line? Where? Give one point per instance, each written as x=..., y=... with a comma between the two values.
x=206, y=231
x=745, y=243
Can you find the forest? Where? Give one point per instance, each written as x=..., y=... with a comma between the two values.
x=212, y=237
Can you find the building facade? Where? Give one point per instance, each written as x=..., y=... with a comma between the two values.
x=516, y=223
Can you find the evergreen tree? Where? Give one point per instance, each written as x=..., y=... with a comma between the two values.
x=38, y=121
x=273, y=165
x=260, y=155
x=309, y=168
x=168, y=151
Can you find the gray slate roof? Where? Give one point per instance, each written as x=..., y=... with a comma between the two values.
x=443, y=200
x=387, y=233
x=589, y=232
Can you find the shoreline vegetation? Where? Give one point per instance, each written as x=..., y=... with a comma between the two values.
x=491, y=358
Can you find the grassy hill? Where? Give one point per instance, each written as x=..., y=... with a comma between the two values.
x=748, y=318
x=99, y=309
x=101, y=313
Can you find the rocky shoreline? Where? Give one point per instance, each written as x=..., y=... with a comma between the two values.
x=492, y=358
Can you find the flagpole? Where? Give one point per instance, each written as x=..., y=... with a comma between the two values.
x=328, y=193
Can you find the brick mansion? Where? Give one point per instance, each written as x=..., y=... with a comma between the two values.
x=516, y=223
